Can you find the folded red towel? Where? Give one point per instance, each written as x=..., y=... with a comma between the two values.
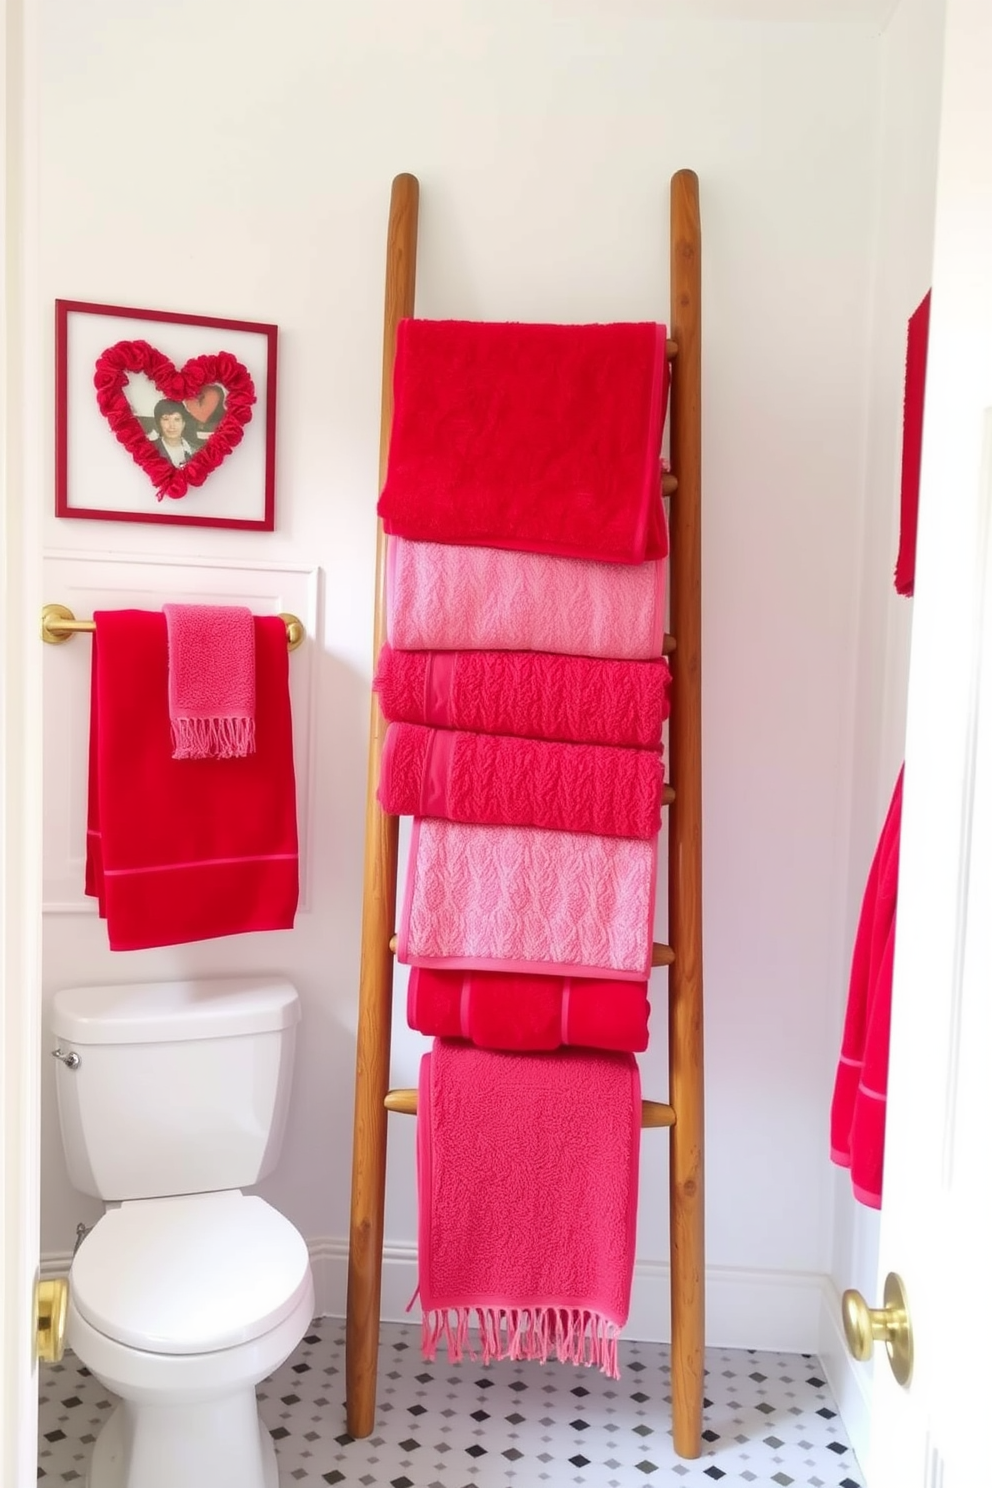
x=527, y=1183
x=495, y=1010
x=541, y=438
x=917, y=338
x=505, y=781
x=211, y=680
x=857, y=1115
x=532, y=694
x=184, y=850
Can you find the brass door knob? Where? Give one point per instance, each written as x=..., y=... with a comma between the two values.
x=51, y=1303
x=865, y=1326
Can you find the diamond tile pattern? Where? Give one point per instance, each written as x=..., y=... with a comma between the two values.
x=768, y=1420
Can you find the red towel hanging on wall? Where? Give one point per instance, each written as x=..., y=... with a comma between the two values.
x=912, y=443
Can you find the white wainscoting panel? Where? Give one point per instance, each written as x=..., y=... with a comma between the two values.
x=85, y=582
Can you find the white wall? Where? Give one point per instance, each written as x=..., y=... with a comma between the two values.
x=902, y=258
x=544, y=137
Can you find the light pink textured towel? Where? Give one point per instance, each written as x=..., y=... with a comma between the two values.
x=527, y=1169
x=443, y=597
x=487, y=898
x=211, y=680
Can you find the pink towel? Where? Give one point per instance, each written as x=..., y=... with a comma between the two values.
x=504, y=781
x=857, y=1114
x=540, y=438
x=444, y=598
x=211, y=680
x=496, y=1010
x=527, y=1168
x=532, y=694
x=526, y=899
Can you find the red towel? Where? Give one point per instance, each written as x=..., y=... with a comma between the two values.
x=532, y=694
x=912, y=443
x=527, y=1184
x=184, y=850
x=857, y=1117
x=541, y=438
x=498, y=780
x=494, y=1010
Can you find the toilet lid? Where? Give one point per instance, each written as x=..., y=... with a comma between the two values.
x=190, y=1275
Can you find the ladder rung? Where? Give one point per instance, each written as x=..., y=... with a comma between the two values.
x=661, y=954
x=669, y=485
x=668, y=645
x=653, y=1113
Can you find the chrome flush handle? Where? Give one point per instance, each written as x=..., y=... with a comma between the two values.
x=70, y=1060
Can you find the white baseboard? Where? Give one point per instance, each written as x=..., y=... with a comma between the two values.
x=784, y=1310
x=850, y=1383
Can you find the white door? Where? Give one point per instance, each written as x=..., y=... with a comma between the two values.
x=20, y=824
x=937, y=1208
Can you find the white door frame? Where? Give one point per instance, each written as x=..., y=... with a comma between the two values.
x=20, y=813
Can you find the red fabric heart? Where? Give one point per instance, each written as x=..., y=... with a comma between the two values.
x=183, y=384
x=207, y=403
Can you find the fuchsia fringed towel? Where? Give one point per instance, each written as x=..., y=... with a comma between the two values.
x=184, y=850
x=527, y=1168
x=526, y=899
x=857, y=1117
x=496, y=1010
x=211, y=680
x=531, y=694
x=446, y=598
x=917, y=338
x=540, y=438
x=505, y=781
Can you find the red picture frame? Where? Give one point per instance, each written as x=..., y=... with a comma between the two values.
x=163, y=417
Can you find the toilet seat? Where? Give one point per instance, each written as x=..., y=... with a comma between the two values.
x=190, y=1275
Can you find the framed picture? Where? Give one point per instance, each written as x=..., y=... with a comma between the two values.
x=163, y=417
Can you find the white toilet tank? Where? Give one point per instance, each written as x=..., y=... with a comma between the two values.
x=177, y=1087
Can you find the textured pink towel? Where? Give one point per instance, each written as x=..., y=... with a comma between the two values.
x=211, y=680
x=445, y=598
x=506, y=781
x=541, y=438
x=532, y=694
x=527, y=1168
x=497, y=1010
x=526, y=899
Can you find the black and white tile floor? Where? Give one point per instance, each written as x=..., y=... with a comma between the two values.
x=768, y=1421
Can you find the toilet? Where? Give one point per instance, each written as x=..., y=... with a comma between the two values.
x=172, y=1098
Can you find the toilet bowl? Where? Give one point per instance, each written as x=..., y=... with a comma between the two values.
x=187, y=1292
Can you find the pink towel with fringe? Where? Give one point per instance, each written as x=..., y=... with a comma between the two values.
x=527, y=1171
x=211, y=681
x=527, y=899
x=505, y=781
x=540, y=438
x=446, y=598
x=497, y=1010
x=531, y=694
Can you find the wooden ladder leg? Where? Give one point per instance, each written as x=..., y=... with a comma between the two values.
x=375, y=992
x=685, y=832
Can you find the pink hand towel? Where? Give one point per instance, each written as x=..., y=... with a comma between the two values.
x=527, y=1171
x=211, y=680
x=444, y=598
x=496, y=1010
x=540, y=438
x=857, y=1113
x=526, y=899
x=531, y=694
x=504, y=781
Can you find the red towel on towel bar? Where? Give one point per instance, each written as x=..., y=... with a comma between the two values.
x=503, y=781
x=185, y=850
x=494, y=1010
x=532, y=694
x=541, y=438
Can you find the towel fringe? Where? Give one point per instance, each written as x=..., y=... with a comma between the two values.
x=572, y=1335
x=212, y=738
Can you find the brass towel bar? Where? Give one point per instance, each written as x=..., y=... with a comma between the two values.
x=59, y=623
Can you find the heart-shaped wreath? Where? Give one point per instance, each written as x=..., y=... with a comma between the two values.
x=197, y=384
